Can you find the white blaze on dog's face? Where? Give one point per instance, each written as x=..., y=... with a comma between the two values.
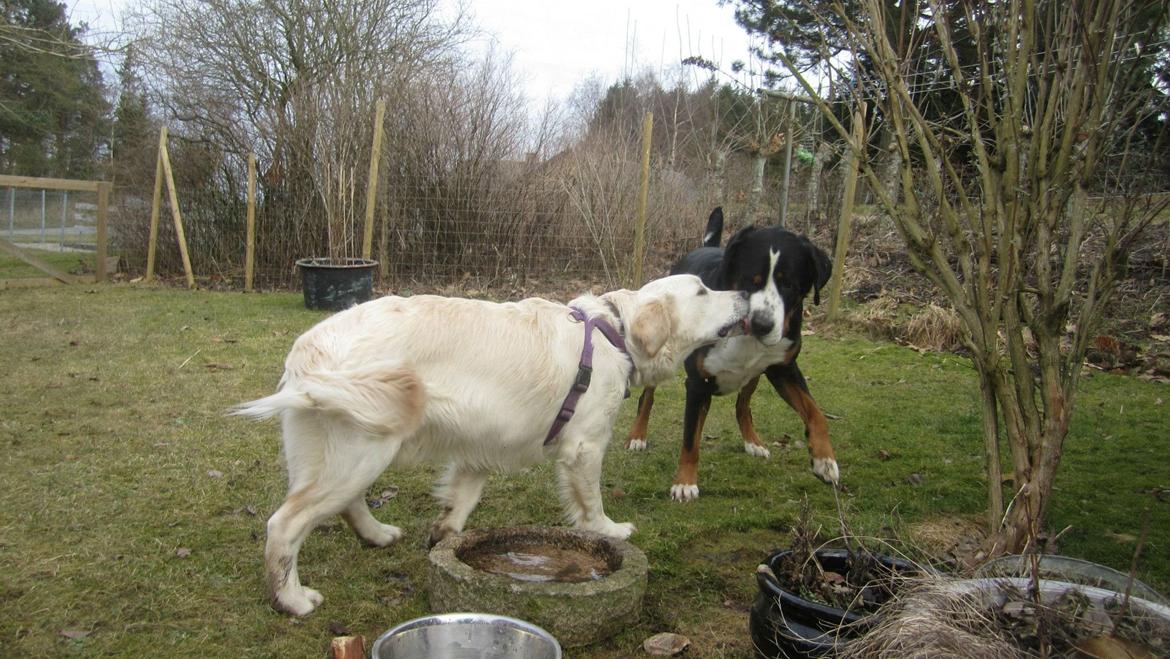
x=670, y=318
x=766, y=317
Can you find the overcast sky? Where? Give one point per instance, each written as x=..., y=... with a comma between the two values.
x=556, y=44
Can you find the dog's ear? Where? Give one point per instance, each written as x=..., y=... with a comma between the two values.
x=823, y=269
x=651, y=328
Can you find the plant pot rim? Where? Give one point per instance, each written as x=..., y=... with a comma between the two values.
x=848, y=616
x=994, y=587
x=329, y=262
x=1067, y=568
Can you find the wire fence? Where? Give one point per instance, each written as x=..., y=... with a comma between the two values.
x=49, y=220
x=564, y=223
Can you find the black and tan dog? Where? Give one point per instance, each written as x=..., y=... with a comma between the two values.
x=778, y=269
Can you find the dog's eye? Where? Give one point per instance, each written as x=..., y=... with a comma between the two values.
x=702, y=291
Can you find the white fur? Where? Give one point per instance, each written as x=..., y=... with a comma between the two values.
x=472, y=384
x=767, y=302
x=737, y=359
x=684, y=493
x=756, y=450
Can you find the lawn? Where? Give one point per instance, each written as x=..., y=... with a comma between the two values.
x=69, y=262
x=134, y=510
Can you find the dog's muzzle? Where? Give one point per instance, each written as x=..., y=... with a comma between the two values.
x=762, y=324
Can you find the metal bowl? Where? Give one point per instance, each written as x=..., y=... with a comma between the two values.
x=466, y=636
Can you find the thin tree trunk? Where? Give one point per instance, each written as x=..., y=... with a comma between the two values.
x=813, y=214
x=991, y=452
x=756, y=195
x=717, y=177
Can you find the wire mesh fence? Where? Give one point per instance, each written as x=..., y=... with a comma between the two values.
x=49, y=220
x=503, y=227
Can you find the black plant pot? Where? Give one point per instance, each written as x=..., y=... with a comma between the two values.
x=784, y=624
x=336, y=284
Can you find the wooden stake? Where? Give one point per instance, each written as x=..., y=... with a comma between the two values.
x=45, y=267
x=103, y=212
x=347, y=647
x=173, y=196
x=156, y=203
x=250, y=239
x=857, y=140
x=643, y=193
x=372, y=184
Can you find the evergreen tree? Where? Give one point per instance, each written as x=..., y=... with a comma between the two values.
x=131, y=117
x=52, y=103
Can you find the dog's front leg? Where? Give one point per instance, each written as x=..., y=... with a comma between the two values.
x=459, y=491
x=686, y=479
x=579, y=477
x=639, y=431
x=790, y=384
x=747, y=426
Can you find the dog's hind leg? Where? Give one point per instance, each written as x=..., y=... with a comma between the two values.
x=579, y=478
x=357, y=514
x=637, y=438
x=747, y=427
x=459, y=491
x=326, y=481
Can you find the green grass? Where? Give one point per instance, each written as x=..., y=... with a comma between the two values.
x=115, y=455
x=13, y=268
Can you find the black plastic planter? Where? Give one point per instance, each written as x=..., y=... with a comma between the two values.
x=336, y=284
x=783, y=624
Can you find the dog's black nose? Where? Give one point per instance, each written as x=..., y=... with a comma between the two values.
x=762, y=324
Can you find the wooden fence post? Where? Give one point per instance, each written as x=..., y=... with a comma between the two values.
x=103, y=213
x=173, y=195
x=155, y=204
x=250, y=238
x=853, y=156
x=643, y=193
x=372, y=183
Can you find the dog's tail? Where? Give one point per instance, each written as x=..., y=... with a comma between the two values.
x=379, y=399
x=713, y=235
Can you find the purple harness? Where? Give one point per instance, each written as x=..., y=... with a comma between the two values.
x=584, y=368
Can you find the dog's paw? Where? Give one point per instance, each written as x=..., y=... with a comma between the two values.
x=826, y=470
x=298, y=601
x=636, y=444
x=384, y=536
x=756, y=450
x=683, y=492
x=621, y=531
x=606, y=526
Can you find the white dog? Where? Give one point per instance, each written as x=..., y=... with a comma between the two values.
x=474, y=384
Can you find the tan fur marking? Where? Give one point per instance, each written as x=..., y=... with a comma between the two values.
x=816, y=427
x=688, y=461
x=642, y=421
x=701, y=367
x=651, y=328
x=743, y=412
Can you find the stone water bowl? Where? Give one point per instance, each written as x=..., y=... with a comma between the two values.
x=582, y=587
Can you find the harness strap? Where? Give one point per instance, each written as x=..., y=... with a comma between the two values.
x=584, y=368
